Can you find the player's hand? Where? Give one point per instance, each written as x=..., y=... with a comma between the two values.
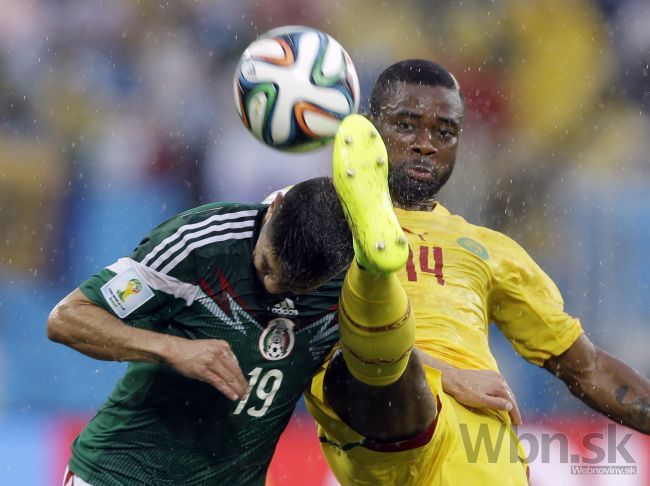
x=211, y=361
x=481, y=389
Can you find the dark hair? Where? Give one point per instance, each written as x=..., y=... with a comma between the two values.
x=411, y=71
x=309, y=233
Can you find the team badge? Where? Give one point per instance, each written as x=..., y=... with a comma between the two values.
x=474, y=247
x=277, y=340
x=126, y=292
x=133, y=287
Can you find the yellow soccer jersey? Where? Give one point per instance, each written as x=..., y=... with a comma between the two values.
x=460, y=277
x=444, y=460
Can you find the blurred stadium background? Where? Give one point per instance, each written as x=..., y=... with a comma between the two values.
x=115, y=115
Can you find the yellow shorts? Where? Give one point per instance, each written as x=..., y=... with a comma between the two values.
x=467, y=447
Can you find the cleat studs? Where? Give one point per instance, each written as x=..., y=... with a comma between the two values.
x=373, y=134
x=381, y=161
x=380, y=246
x=351, y=172
x=348, y=140
x=401, y=241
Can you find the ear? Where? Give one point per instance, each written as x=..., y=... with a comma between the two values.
x=275, y=204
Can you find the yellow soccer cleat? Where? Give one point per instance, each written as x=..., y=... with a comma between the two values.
x=360, y=172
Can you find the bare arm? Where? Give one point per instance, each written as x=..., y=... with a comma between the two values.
x=91, y=330
x=476, y=388
x=605, y=383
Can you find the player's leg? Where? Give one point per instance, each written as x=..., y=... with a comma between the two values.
x=376, y=385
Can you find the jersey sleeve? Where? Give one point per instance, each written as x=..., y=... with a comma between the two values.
x=528, y=307
x=138, y=290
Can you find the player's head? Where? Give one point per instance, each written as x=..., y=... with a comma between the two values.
x=305, y=240
x=418, y=106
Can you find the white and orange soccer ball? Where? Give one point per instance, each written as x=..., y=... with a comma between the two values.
x=293, y=85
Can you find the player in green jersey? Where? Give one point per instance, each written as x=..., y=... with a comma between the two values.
x=224, y=313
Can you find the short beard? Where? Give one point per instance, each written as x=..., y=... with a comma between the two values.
x=408, y=192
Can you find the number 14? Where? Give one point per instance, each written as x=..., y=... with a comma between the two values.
x=424, y=264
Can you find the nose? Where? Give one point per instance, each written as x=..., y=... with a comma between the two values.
x=423, y=144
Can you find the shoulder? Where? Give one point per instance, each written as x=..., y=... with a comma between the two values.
x=208, y=219
x=207, y=230
x=474, y=236
x=501, y=252
x=497, y=243
x=511, y=264
x=219, y=212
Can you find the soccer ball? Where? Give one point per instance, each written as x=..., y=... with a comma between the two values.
x=293, y=85
x=275, y=350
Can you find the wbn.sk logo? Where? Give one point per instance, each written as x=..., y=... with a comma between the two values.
x=599, y=449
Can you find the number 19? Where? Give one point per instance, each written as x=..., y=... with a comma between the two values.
x=264, y=390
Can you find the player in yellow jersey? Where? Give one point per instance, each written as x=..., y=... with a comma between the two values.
x=462, y=276
x=459, y=278
x=383, y=416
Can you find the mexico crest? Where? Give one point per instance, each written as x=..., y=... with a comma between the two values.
x=277, y=340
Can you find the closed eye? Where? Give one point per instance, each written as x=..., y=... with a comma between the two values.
x=266, y=269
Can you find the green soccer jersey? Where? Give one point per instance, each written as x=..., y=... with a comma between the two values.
x=193, y=276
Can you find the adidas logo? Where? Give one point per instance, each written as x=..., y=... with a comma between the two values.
x=285, y=308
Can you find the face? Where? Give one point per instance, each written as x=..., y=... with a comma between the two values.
x=267, y=264
x=421, y=128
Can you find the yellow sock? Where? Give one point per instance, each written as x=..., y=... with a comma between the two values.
x=376, y=326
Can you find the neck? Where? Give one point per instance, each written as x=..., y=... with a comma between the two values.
x=416, y=206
